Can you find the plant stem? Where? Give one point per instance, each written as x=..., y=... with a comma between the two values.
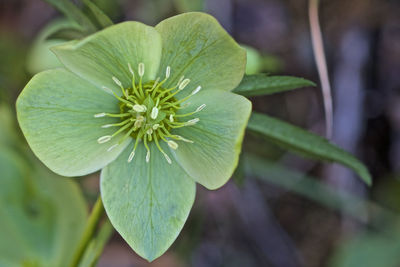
x=93, y=221
x=320, y=60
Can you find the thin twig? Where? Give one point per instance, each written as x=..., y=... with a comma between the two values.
x=320, y=60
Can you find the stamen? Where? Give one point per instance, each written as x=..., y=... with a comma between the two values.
x=192, y=122
x=154, y=113
x=118, y=82
x=183, y=84
x=195, y=91
x=130, y=158
x=201, y=107
x=155, y=84
x=108, y=90
x=180, y=80
x=172, y=144
x=100, y=115
x=141, y=69
x=134, y=147
x=138, y=122
x=166, y=157
x=112, y=147
x=167, y=72
x=104, y=139
x=183, y=139
x=130, y=69
x=161, y=150
x=139, y=108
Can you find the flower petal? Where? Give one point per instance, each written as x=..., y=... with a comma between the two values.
x=196, y=46
x=217, y=137
x=107, y=53
x=147, y=203
x=56, y=114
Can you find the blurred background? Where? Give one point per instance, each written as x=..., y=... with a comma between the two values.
x=279, y=209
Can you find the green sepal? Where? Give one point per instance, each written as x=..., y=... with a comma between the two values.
x=217, y=138
x=56, y=114
x=195, y=45
x=107, y=53
x=147, y=203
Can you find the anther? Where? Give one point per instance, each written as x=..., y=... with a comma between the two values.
x=155, y=126
x=148, y=156
x=155, y=84
x=99, y=115
x=104, y=139
x=195, y=91
x=108, y=90
x=138, y=124
x=130, y=158
x=139, y=108
x=201, y=107
x=167, y=72
x=118, y=82
x=171, y=118
x=192, y=122
x=167, y=158
x=107, y=126
x=141, y=69
x=130, y=69
x=154, y=113
x=183, y=139
x=183, y=84
x=112, y=147
x=149, y=131
x=172, y=144
x=180, y=80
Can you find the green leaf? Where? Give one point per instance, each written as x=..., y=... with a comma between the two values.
x=196, y=46
x=100, y=16
x=147, y=203
x=217, y=137
x=72, y=12
x=262, y=84
x=305, y=143
x=42, y=215
x=107, y=53
x=56, y=113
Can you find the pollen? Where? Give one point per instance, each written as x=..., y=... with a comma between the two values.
x=149, y=113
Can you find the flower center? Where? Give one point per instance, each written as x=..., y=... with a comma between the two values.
x=148, y=113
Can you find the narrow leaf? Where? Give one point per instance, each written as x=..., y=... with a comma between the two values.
x=72, y=12
x=100, y=16
x=262, y=84
x=305, y=143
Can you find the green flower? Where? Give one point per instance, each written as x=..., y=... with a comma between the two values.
x=152, y=108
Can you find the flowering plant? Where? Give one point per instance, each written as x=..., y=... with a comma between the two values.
x=151, y=108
